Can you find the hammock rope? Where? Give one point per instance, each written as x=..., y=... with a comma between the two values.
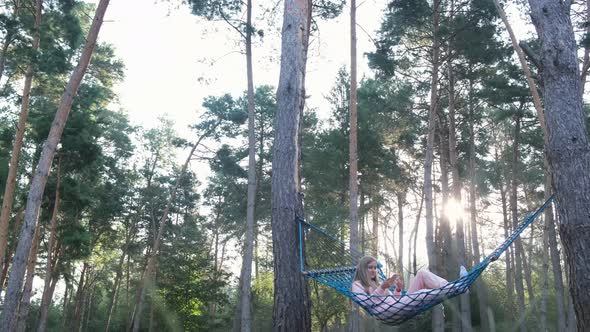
x=331, y=262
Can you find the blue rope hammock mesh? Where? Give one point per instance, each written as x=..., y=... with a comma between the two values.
x=331, y=262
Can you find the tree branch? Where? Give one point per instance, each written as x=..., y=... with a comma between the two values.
x=531, y=55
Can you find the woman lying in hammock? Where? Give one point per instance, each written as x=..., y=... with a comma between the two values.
x=378, y=299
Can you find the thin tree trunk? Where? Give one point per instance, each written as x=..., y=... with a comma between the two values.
x=10, y=252
x=89, y=307
x=465, y=306
x=555, y=257
x=586, y=59
x=40, y=179
x=246, y=273
x=147, y=278
x=437, y=314
x=23, y=309
x=401, y=198
x=414, y=236
x=46, y=298
x=80, y=297
x=479, y=285
x=509, y=260
x=514, y=213
x=353, y=153
x=10, y=186
x=118, y=277
x=545, y=274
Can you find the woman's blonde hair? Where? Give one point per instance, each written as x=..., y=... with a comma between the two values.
x=362, y=273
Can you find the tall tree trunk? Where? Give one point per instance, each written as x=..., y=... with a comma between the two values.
x=401, y=198
x=479, y=285
x=353, y=153
x=414, y=238
x=40, y=179
x=544, y=279
x=291, y=310
x=375, y=231
x=23, y=309
x=568, y=149
x=246, y=273
x=514, y=214
x=509, y=261
x=46, y=298
x=10, y=186
x=465, y=306
x=437, y=314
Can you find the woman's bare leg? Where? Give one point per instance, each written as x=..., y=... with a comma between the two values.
x=426, y=280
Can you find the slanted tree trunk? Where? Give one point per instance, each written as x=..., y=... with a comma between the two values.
x=46, y=298
x=568, y=149
x=8, y=198
x=40, y=179
x=353, y=153
x=150, y=268
x=23, y=308
x=291, y=311
x=246, y=273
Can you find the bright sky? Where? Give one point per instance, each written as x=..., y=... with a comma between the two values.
x=167, y=50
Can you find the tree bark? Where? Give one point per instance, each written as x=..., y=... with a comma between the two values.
x=10, y=186
x=25, y=301
x=291, y=311
x=40, y=179
x=246, y=273
x=568, y=149
x=46, y=298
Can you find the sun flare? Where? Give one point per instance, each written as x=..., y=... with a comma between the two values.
x=454, y=211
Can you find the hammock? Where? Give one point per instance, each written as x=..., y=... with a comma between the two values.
x=331, y=262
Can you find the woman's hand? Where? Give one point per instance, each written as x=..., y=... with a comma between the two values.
x=396, y=280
